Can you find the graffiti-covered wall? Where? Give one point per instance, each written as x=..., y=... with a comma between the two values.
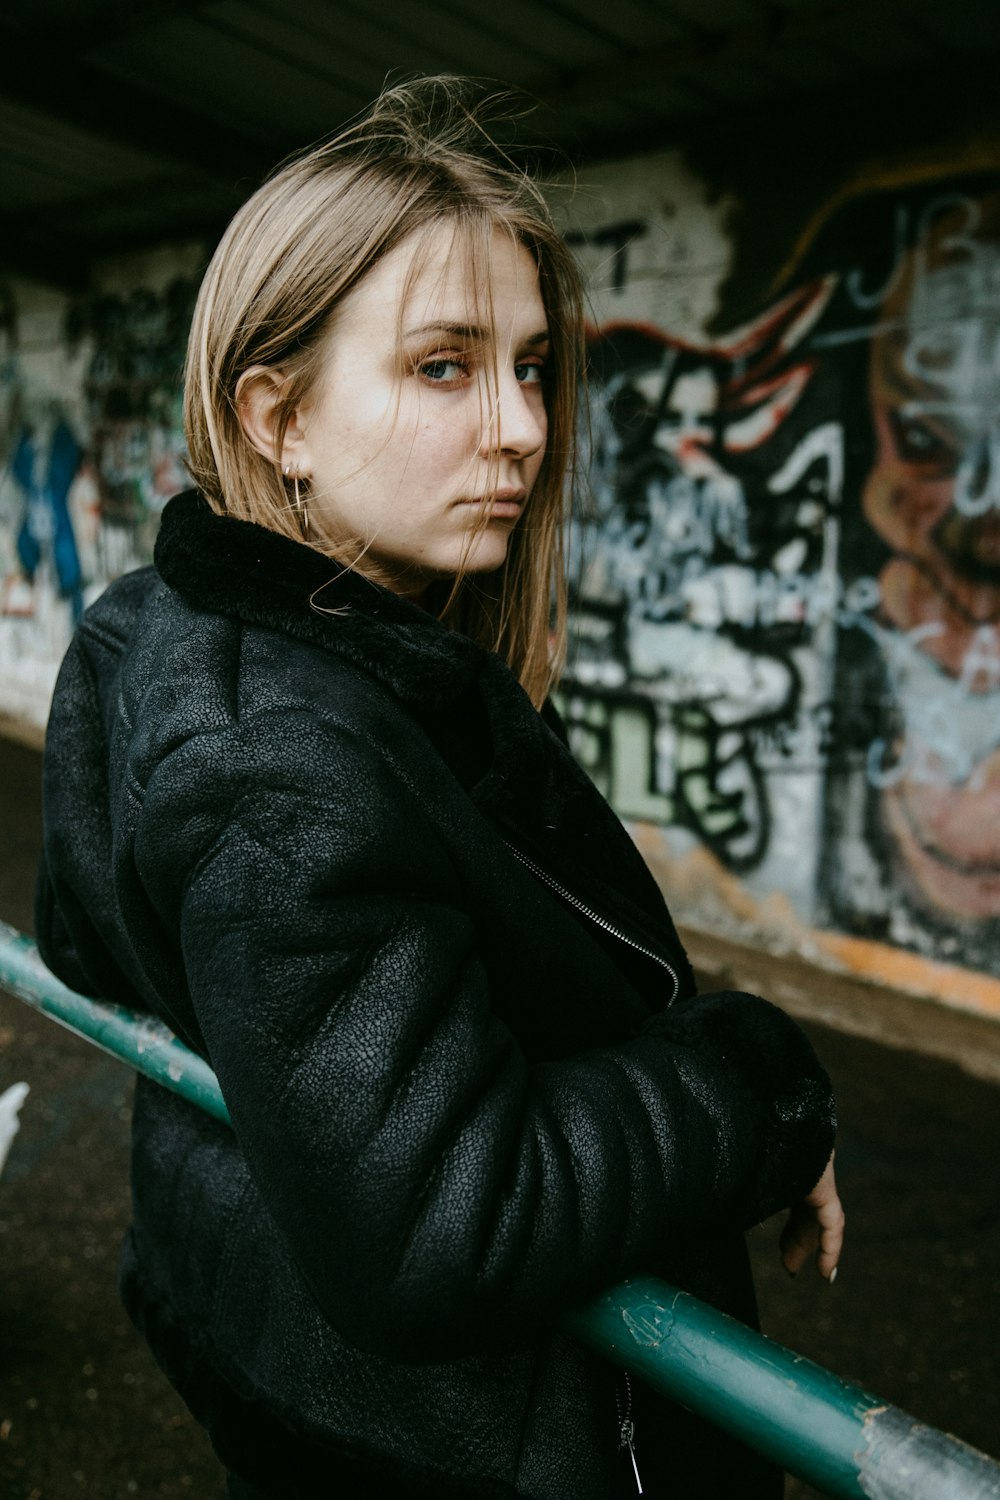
x=788, y=611
x=786, y=598
x=92, y=447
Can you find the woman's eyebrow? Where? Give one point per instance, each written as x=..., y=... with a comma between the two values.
x=470, y=331
x=460, y=330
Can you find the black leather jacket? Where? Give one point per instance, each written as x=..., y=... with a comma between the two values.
x=334, y=846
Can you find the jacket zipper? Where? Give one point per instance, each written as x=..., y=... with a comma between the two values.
x=626, y=1429
x=588, y=911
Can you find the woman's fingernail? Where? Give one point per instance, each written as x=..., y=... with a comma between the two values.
x=832, y=1276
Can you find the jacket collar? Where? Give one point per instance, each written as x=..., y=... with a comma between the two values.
x=237, y=568
x=532, y=786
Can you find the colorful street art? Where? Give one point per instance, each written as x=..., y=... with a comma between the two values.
x=93, y=447
x=788, y=607
x=786, y=598
x=133, y=394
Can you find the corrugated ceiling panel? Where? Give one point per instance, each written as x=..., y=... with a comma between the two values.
x=709, y=16
x=961, y=30
x=316, y=54
x=638, y=23
x=60, y=15
x=670, y=106
x=565, y=44
x=356, y=38
x=804, y=9
x=732, y=80
x=130, y=217
x=80, y=160
x=257, y=77
x=886, y=45
x=456, y=44
x=228, y=79
x=599, y=119
x=636, y=108
x=30, y=186
x=817, y=64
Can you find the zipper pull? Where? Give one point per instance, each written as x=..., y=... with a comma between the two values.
x=627, y=1436
x=626, y=1428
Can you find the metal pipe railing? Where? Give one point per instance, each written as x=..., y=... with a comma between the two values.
x=836, y=1436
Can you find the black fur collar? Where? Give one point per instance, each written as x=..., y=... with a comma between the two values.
x=237, y=568
x=532, y=784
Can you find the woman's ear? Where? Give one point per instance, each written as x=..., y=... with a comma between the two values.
x=258, y=395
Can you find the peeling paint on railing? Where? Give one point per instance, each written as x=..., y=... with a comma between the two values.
x=142, y=1042
x=900, y=1458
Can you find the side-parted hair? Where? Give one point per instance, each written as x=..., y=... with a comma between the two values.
x=421, y=157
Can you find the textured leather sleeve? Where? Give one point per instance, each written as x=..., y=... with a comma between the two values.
x=763, y=1052
x=439, y=1193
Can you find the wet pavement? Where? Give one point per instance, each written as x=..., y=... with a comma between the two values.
x=84, y=1412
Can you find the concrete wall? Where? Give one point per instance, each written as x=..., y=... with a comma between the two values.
x=786, y=670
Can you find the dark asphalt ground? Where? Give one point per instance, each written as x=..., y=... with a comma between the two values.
x=85, y=1413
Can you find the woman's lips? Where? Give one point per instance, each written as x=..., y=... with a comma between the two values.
x=503, y=504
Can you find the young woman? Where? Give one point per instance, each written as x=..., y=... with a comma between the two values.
x=306, y=801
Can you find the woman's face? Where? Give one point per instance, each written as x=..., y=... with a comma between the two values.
x=425, y=432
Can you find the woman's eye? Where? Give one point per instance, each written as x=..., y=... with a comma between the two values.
x=443, y=371
x=530, y=374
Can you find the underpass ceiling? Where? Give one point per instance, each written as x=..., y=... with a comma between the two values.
x=124, y=123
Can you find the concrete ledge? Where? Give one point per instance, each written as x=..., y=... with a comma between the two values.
x=846, y=1002
x=21, y=732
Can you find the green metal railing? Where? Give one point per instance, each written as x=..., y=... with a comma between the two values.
x=836, y=1436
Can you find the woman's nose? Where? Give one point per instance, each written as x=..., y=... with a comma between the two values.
x=517, y=420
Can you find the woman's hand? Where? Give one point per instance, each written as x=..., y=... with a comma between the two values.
x=815, y=1225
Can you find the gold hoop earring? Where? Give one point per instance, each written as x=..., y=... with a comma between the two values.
x=298, y=500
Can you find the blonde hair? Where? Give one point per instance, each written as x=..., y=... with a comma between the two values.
x=422, y=156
